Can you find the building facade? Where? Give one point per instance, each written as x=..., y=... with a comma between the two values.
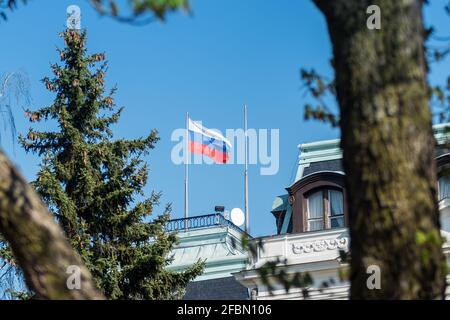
x=218, y=242
x=311, y=220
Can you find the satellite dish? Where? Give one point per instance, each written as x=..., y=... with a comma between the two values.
x=237, y=217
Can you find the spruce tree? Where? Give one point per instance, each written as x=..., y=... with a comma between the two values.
x=91, y=182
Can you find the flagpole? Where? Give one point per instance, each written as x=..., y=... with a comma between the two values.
x=246, y=171
x=186, y=174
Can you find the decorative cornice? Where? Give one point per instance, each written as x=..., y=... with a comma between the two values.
x=319, y=151
x=320, y=245
x=330, y=149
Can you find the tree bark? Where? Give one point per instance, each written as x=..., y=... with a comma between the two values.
x=37, y=242
x=388, y=148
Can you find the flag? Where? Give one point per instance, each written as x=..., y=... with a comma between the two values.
x=207, y=142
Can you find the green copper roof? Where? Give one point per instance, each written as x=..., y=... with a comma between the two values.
x=326, y=150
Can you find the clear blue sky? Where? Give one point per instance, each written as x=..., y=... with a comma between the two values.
x=209, y=64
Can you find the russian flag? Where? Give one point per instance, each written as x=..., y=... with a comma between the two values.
x=207, y=142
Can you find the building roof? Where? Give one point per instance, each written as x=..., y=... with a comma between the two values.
x=216, y=289
x=326, y=155
x=280, y=203
x=329, y=165
x=218, y=245
x=442, y=150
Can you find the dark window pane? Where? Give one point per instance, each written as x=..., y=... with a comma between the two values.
x=444, y=187
x=337, y=222
x=336, y=203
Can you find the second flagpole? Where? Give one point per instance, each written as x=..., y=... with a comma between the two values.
x=186, y=198
x=246, y=171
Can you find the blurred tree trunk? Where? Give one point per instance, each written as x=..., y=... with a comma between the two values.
x=37, y=242
x=388, y=148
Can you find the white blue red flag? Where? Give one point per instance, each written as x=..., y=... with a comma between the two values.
x=208, y=142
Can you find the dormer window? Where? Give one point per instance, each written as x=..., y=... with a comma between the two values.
x=319, y=202
x=325, y=209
